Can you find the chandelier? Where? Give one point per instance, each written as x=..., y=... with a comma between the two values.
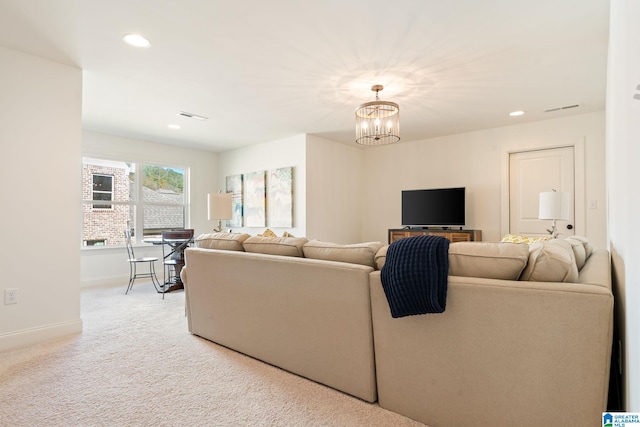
x=377, y=122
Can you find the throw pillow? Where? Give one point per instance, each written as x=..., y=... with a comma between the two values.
x=579, y=252
x=588, y=247
x=552, y=261
x=512, y=238
x=268, y=233
x=358, y=253
x=488, y=260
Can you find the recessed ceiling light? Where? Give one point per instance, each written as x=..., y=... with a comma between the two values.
x=174, y=126
x=136, y=40
x=516, y=113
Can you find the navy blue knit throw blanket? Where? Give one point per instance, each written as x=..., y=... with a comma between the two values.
x=414, y=275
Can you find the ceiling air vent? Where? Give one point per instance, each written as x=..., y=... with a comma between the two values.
x=566, y=107
x=192, y=116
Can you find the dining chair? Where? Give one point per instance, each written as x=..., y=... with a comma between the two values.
x=133, y=266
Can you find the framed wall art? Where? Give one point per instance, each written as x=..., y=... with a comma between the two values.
x=280, y=198
x=254, y=199
x=234, y=186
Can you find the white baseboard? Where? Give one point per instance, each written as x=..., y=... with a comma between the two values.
x=111, y=281
x=16, y=339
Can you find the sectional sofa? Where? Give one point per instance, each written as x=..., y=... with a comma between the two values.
x=525, y=338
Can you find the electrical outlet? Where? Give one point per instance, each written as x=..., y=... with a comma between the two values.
x=10, y=296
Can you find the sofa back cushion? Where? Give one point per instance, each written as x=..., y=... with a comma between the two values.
x=381, y=257
x=488, y=260
x=287, y=246
x=552, y=261
x=358, y=253
x=224, y=241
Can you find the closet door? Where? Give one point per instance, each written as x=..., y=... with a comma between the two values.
x=533, y=172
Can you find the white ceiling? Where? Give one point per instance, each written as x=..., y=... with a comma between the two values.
x=265, y=70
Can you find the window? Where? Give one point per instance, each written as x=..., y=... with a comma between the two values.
x=96, y=242
x=145, y=203
x=102, y=190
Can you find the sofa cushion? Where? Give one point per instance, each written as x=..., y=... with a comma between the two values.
x=552, y=261
x=224, y=241
x=488, y=259
x=358, y=253
x=287, y=246
x=513, y=238
x=381, y=257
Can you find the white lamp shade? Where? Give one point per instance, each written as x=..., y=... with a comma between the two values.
x=554, y=205
x=219, y=206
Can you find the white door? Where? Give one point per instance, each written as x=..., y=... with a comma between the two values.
x=533, y=172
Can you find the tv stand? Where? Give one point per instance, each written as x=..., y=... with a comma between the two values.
x=431, y=228
x=446, y=232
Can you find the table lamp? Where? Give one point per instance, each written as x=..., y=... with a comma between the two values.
x=219, y=207
x=554, y=205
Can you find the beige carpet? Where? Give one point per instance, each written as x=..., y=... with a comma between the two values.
x=136, y=364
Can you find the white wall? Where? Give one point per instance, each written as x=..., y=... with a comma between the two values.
x=335, y=187
x=40, y=109
x=353, y=194
x=287, y=152
x=623, y=175
x=327, y=184
x=101, y=266
x=475, y=160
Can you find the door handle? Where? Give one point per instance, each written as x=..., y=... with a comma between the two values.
x=569, y=227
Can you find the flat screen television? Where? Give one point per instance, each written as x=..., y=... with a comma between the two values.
x=442, y=207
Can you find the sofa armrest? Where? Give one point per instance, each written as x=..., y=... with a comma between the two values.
x=503, y=353
x=597, y=270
